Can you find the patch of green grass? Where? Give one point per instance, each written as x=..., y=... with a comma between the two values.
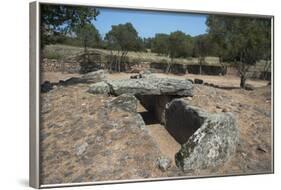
x=53, y=55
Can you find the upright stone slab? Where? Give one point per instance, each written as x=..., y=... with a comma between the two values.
x=211, y=138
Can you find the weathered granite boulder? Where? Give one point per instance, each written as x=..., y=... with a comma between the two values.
x=99, y=88
x=213, y=141
x=72, y=81
x=95, y=76
x=92, y=77
x=126, y=102
x=150, y=86
x=139, y=121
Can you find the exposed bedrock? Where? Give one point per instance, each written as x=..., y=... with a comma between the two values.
x=126, y=102
x=208, y=140
x=92, y=77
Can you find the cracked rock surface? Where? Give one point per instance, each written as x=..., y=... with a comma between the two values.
x=146, y=86
x=211, y=144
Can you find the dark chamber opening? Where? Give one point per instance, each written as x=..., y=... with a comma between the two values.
x=149, y=118
x=182, y=121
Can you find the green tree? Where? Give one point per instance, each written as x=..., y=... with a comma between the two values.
x=202, y=48
x=179, y=45
x=160, y=45
x=266, y=48
x=242, y=38
x=58, y=19
x=123, y=38
x=88, y=36
x=147, y=43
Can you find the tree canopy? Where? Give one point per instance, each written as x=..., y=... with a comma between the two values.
x=60, y=19
x=243, y=39
x=160, y=44
x=123, y=37
x=88, y=35
x=179, y=45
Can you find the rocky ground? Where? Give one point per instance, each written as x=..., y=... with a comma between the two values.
x=85, y=140
x=252, y=110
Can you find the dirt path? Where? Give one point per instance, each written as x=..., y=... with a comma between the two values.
x=167, y=144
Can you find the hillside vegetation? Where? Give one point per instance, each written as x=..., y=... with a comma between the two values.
x=64, y=52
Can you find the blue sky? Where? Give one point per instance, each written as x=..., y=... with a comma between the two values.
x=148, y=23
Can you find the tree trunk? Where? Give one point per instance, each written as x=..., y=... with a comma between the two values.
x=124, y=60
x=242, y=81
x=169, y=65
x=223, y=66
x=200, y=65
x=109, y=66
x=266, y=68
x=242, y=72
x=118, y=61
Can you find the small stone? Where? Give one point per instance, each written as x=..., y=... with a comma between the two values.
x=218, y=106
x=198, y=81
x=189, y=98
x=81, y=148
x=261, y=148
x=224, y=110
x=136, y=76
x=163, y=163
x=54, y=126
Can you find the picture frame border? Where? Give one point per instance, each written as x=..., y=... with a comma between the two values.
x=34, y=91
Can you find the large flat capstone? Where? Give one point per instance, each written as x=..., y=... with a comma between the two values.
x=146, y=86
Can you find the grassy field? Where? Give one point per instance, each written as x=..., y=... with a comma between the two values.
x=64, y=52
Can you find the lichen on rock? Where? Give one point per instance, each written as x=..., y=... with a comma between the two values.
x=211, y=145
